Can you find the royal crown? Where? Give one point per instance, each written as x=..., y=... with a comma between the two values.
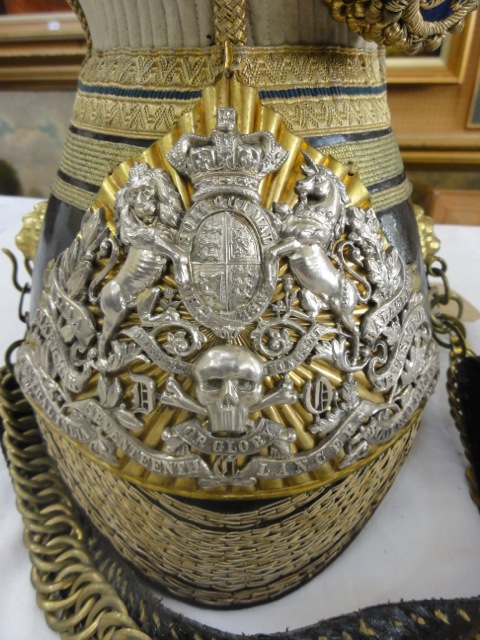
x=227, y=161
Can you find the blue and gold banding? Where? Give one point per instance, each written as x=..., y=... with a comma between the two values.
x=333, y=96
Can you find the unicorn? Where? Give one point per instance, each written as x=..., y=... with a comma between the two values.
x=308, y=233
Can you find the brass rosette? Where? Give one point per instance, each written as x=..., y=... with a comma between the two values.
x=413, y=27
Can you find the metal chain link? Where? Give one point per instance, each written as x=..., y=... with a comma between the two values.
x=450, y=333
x=77, y=600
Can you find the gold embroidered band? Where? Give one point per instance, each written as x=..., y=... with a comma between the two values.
x=128, y=98
x=276, y=67
x=383, y=200
x=73, y=195
x=363, y=153
x=88, y=159
x=144, y=93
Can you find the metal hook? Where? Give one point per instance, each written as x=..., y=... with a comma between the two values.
x=23, y=316
x=23, y=289
x=8, y=354
x=14, y=262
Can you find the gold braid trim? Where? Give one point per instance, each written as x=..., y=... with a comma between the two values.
x=77, y=600
x=108, y=110
x=333, y=114
x=365, y=154
x=390, y=197
x=147, y=119
x=75, y=196
x=262, y=67
x=89, y=160
x=304, y=116
x=156, y=69
x=304, y=66
x=229, y=19
x=233, y=558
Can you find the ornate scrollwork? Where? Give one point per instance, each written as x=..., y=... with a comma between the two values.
x=232, y=301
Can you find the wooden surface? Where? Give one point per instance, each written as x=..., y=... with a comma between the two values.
x=451, y=206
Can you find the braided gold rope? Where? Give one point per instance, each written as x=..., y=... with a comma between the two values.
x=229, y=18
x=77, y=9
x=398, y=23
x=77, y=600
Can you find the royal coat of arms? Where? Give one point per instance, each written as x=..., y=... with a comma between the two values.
x=258, y=342
x=227, y=232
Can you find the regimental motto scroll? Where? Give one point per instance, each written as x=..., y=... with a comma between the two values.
x=231, y=316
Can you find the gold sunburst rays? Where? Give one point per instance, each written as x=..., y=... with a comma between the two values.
x=252, y=116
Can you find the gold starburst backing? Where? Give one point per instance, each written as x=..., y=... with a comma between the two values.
x=252, y=116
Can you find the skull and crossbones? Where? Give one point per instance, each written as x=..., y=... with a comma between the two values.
x=228, y=385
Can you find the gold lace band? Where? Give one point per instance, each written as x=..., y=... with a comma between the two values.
x=128, y=98
x=89, y=159
x=142, y=94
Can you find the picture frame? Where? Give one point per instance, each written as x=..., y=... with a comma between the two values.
x=40, y=50
x=447, y=66
x=473, y=121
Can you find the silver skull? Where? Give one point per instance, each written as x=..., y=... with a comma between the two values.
x=228, y=383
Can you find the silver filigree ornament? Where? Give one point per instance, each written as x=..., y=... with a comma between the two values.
x=346, y=303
